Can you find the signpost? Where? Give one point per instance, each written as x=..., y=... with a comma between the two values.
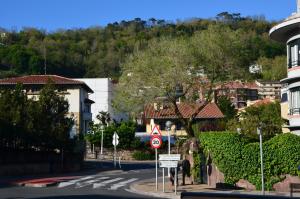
x=155, y=142
x=169, y=161
x=115, y=142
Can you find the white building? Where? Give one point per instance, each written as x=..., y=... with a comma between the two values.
x=103, y=95
x=74, y=91
x=289, y=32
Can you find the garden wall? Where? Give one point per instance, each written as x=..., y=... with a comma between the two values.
x=35, y=162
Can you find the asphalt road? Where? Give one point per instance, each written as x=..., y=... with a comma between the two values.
x=92, y=183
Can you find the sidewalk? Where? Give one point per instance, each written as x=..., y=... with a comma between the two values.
x=147, y=187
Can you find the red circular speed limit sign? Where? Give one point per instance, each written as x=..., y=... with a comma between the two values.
x=155, y=142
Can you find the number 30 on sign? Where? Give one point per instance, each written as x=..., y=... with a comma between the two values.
x=155, y=142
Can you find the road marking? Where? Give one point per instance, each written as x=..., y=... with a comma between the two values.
x=123, y=183
x=68, y=183
x=102, y=184
x=89, y=182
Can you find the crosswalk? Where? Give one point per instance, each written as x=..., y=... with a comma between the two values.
x=95, y=182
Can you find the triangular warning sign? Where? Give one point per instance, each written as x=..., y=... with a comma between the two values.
x=155, y=131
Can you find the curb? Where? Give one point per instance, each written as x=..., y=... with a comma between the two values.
x=40, y=185
x=153, y=194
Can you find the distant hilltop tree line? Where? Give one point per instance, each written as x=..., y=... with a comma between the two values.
x=101, y=51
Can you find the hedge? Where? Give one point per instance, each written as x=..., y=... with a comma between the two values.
x=140, y=155
x=238, y=158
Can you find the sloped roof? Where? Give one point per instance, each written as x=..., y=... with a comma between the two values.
x=43, y=79
x=263, y=102
x=210, y=111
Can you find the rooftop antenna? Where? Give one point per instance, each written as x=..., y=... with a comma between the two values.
x=45, y=60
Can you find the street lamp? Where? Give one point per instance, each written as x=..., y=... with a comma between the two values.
x=261, y=160
x=101, y=128
x=168, y=128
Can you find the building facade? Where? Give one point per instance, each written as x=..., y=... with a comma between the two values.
x=155, y=114
x=75, y=92
x=238, y=92
x=103, y=96
x=268, y=89
x=288, y=32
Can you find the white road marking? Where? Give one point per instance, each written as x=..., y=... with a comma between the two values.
x=89, y=182
x=102, y=184
x=68, y=183
x=123, y=183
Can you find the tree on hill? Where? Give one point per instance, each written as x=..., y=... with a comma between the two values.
x=99, y=51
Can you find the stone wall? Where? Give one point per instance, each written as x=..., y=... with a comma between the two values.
x=215, y=176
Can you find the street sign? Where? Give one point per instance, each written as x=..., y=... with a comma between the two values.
x=168, y=164
x=155, y=142
x=155, y=131
x=169, y=157
x=115, y=140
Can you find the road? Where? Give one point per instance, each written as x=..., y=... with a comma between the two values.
x=91, y=184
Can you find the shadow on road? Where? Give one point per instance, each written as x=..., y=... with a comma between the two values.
x=88, y=197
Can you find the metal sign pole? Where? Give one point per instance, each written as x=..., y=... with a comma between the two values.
x=163, y=171
x=115, y=149
x=175, y=181
x=156, y=169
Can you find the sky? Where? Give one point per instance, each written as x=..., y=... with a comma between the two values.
x=51, y=15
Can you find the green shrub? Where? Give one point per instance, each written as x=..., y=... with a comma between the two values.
x=140, y=155
x=238, y=159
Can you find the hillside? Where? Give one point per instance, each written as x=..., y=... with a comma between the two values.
x=100, y=51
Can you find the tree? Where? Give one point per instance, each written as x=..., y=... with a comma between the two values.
x=155, y=74
x=226, y=107
x=54, y=126
x=273, y=68
x=40, y=124
x=266, y=116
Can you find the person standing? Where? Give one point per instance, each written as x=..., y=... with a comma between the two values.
x=186, y=170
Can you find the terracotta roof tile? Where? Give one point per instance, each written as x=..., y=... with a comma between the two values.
x=263, y=102
x=211, y=110
x=42, y=79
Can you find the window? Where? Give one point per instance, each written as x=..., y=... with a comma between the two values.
x=284, y=97
x=295, y=101
x=293, y=53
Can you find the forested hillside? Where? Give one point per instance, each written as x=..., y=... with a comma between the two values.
x=100, y=51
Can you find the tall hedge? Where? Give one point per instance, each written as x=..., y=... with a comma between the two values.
x=238, y=159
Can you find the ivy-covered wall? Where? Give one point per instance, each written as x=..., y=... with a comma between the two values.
x=238, y=158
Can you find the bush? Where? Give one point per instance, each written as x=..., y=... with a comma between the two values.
x=238, y=158
x=266, y=116
x=140, y=155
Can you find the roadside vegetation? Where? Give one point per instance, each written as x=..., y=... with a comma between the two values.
x=37, y=125
x=238, y=157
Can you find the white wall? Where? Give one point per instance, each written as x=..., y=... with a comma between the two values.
x=73, y=99
x=102, y=96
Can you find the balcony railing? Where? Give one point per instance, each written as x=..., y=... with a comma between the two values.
x=293, y=63
x=294, y=111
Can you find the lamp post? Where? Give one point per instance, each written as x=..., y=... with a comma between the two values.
x=101, y=128
x=261, y=160
x=168, y=127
